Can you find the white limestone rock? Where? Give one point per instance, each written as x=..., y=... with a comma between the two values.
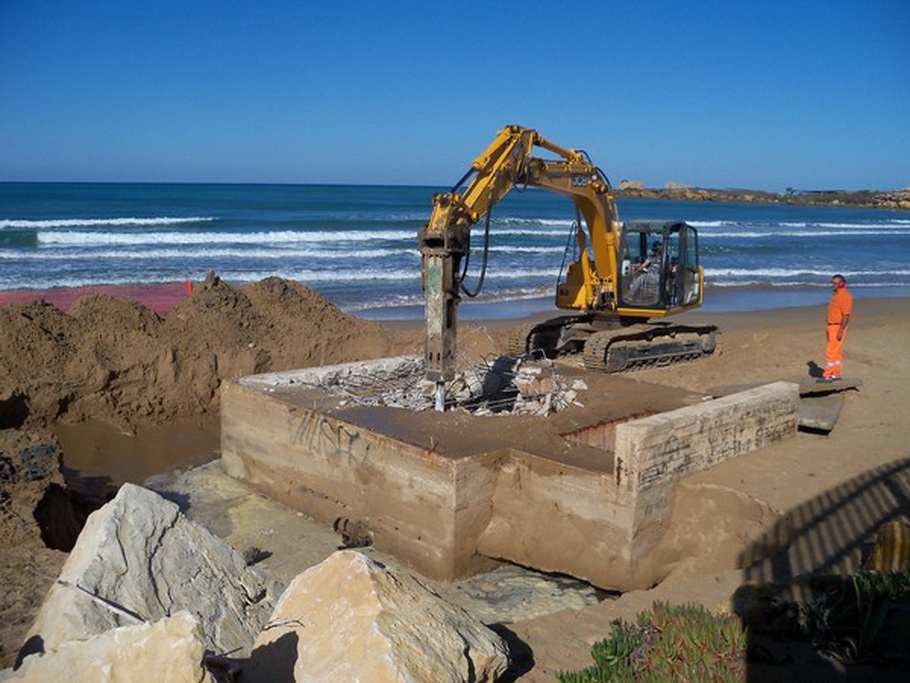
x=168, y=650
x=140, y=553
x=351, y=619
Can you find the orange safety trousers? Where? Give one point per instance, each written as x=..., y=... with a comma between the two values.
x=834, y=353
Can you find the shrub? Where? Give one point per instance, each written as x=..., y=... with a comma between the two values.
x=671, y=643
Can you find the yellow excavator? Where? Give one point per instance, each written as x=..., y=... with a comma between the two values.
x=618, y=278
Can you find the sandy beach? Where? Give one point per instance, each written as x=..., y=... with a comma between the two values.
x=129, y=393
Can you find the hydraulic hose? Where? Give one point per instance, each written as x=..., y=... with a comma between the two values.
x=486, y=253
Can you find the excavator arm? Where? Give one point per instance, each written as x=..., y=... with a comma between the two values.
x=445, y=240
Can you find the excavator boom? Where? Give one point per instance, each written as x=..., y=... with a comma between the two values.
x=445, y=240
x=592, y=283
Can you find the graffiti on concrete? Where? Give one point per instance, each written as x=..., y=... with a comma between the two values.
x=333, y=440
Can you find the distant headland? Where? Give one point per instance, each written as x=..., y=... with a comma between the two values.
x=874, y=199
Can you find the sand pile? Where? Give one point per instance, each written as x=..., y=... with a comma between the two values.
x=118, y=361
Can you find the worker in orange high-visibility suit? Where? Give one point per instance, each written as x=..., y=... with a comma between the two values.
x=839, y=310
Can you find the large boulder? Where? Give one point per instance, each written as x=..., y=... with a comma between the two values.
x=168, y=650
x=138, y=556
x=350, y=618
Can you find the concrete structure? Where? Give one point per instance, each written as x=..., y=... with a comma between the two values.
x=583, y=492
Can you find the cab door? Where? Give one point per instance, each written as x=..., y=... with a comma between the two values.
x=691, y=280
x=643, y=266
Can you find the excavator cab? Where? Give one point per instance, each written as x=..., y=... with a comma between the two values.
x=659, y=271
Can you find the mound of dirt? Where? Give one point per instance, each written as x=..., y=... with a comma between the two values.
x=117, y=361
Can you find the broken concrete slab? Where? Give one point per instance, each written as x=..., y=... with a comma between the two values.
x=820, y=413
x=502, y=386
x=350, y=618
x=138, y=558
x=170, y=650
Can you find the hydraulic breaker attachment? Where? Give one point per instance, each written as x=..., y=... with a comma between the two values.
x=441, y=311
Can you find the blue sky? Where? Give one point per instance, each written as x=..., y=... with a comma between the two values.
x=721, y=94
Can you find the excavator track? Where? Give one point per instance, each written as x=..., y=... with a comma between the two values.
x=543, y=336
x=623, y=350
x=519, y=341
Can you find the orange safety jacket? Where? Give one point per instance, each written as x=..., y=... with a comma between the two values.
x=840, y=306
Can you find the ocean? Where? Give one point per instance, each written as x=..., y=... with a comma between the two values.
x=358, y=244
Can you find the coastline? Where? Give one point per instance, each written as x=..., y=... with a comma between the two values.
x=898, y=200
x=717, y=300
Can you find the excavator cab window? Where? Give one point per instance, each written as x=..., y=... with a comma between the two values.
x=659, y=265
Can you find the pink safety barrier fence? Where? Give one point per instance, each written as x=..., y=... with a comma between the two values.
x=160, y=298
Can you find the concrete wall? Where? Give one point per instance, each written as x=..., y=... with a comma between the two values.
x=604, y=528
x=332, y=469
x=442, y=515
x=560, y=518
x=652, y=453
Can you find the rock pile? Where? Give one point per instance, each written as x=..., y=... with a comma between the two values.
x=147, y=594
x=170, y=650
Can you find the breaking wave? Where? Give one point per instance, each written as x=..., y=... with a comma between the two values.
x=786, y=272
x=99, y=222
x=82, y=238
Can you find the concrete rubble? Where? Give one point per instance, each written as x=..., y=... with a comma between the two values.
x=168, y=650
x=139, y=559
x=504, y=386
x=350, y=618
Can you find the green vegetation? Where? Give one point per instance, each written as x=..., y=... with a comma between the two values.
x=671, y=643
x=861, y=618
